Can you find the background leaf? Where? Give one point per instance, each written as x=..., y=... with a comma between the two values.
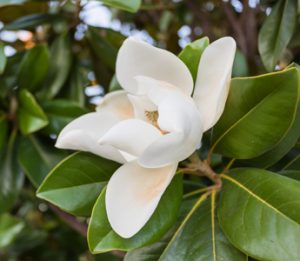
x=129, y=5
x=277, y=31
x=76, y=182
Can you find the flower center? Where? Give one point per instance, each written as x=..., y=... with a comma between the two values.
x=152, y=116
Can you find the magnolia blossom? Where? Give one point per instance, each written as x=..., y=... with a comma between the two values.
x=151, y=125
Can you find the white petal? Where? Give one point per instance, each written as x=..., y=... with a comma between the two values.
x=117, y=103
x=84, y=132
x=132, y=195
x=213, y=80
x=139, y=58
x=141, y=104
x=179, y=117
x=131, y=136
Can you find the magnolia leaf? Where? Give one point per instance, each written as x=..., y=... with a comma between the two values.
x=3, y=130
x=259, y=113
x=259, y=212
x=128, y=5
x=45, y=158
x=59, y=67
x=3, y=58
x=31, y=117
x=33, y=68
x=11, y=176
x=102, y=238
x=10, y=227
x=76, y=182
x=191, y=55
x=277, y=31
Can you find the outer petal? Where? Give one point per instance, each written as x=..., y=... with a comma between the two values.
x=179, y=117
x=131, y=136
x=132, y=195
x=139, y=58
x=84, y=132
x=213, y=80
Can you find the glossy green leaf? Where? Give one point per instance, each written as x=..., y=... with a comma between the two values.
x=11, y=177
x=191, y=55
x=3, y=130
x=10, y=227
x=277, y=31
x=31, y=21
x=33, y=68
x=3, y=58
x=44, y=154
x=199, y=237
x=293, y=174
x=60, y=65
x=259, y=212
x=129, y=5
x=102, y=238
x=78, y=82
x=31, y=117
x=293, y=163
x=240, y=65
x=60, y=113
x=76, y=182
x=258, y=114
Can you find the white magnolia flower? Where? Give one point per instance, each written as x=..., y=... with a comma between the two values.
x=152, y=124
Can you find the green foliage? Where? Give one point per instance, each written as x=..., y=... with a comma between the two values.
x=50, y=53
x=277, y=31
x=75, y=183
x=257, y=207
x=248, y=127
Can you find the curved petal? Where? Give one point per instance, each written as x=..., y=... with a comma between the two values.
x=131, y=136
x=213, y=80
x=139, y=58
x=180, y=119
x=84, y=132
x=117, y=103
x=132, y=195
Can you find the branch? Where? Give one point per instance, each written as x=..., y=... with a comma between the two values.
x=79, y=227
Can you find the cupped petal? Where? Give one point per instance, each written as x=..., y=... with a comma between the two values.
x=136, y=57
x=213, y=80
x=180, y=120
x=84, y=132
x=133, y=194
x=117, y=102
x=131, y=136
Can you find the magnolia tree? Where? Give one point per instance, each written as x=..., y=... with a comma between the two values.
x=154, y=130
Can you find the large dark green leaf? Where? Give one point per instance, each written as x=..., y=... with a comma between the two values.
x=76, y=182
x=199, y=237
x=11, y=177
x=31, y=117
x=60, y=65
x=10, y=227
x=191, y=55
x=45, y=158
x=129, y=5
x=2, y=58
x=259, y=212
x=31, y=21
x=60, y=113
x=3, y=129
x=33, y=68
x=259, y=112
x=277, y=31
x=102, y=238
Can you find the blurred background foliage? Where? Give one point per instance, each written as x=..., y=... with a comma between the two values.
x=57, y=59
